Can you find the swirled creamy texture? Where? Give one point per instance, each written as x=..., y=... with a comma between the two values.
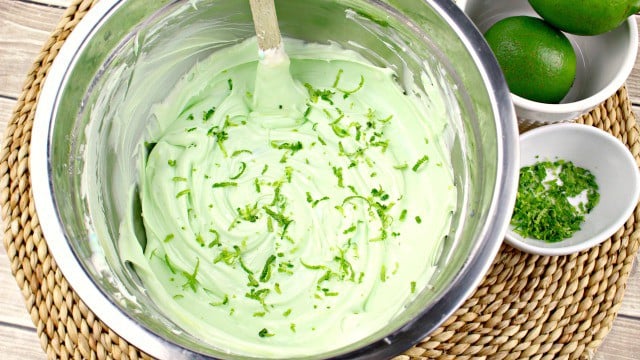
x=282, y=225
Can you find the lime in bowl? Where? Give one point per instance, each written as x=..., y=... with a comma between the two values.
x=603, y=63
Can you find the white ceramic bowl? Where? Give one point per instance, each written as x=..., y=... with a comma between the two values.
x=603, y=62
x=616, y=173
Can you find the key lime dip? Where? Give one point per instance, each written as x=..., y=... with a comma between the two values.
x=286, y=225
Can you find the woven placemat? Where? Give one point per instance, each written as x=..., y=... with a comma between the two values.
x=527, y=307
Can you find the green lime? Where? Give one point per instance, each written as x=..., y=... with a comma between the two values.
x=585, y=17
x=537, y=60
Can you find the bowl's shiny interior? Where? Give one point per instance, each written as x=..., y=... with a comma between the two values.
x=98, y=66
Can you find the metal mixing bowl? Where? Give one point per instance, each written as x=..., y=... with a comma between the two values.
x=91, y=78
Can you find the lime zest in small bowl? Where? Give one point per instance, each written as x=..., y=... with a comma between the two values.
x=553, y=198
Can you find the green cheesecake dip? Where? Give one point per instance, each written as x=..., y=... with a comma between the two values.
x=291, y=208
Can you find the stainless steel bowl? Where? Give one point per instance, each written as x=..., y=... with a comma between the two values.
x=117, y=37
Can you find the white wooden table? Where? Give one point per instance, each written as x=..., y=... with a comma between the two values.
x=24, y=26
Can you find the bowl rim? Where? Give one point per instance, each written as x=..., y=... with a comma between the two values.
x=587, y=103
x=147, y=340
x=46, y=206
x=530, y=245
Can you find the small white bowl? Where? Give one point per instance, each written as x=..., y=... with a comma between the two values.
x=607, y=159
x=604, y=62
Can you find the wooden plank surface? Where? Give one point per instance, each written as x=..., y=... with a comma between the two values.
x=61, y=4
x=631, y=304
x=19, y=344
x=622, y=341
x=633, y=82
x=6, y=108
x=13, y=309
x=23, y=29
x=24, y=26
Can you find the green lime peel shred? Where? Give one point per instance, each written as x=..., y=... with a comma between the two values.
x=548, y=205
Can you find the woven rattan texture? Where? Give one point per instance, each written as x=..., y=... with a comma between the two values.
x=527, y=307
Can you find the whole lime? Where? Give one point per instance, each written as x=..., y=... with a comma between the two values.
x=537, y=60
x=585, y=17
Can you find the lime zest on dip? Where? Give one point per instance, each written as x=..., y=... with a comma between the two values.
x=294, y=233
x=552, y=200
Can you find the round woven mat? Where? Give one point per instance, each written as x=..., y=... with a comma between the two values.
x=527, y=307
